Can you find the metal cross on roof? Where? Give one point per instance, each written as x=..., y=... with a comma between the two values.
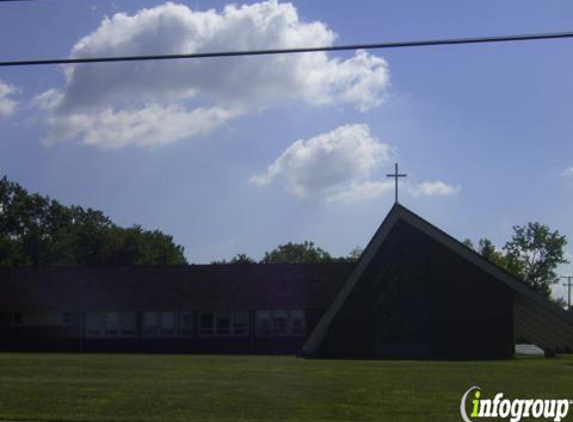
x=396, y=175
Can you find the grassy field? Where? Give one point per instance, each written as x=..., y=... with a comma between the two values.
x=116, y=387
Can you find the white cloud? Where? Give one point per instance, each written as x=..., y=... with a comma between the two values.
x=340, y=166
x=103, y=94
x=362, y=191
x=435, y=188
x=150, y=126
x=568, y=172
x=7, y=102
x=336, y=165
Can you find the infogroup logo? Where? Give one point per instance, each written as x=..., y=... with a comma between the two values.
x=514, y=409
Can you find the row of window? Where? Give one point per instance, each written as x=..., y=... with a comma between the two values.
x=167, y=324
x=222, y=323
x=110, y=324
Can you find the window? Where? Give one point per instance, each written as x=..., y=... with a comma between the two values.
x=126, y=323
x=297, y=322
x=186, y=324
x=224, y=323
x=167, y=324
x=263, y=323
x=66, y=318
x=206, y=323
x=110, y=324
x=158, y=324
x=41, y=319
x=150, y=324
x=240, y=323
x=95, y=324
x=280, y=322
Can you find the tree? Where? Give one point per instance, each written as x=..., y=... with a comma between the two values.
x=559, y=301
x=304, y=252
x=354, y=255
x=240, y=258
x=468, y=242
x=534, y=253
x=38, y=231
x=487, y=249
x=490, y=252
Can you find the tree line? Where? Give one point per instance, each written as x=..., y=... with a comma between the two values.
x=38, y=231
x=294, y=253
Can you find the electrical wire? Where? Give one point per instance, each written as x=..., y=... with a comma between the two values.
x=376, y=46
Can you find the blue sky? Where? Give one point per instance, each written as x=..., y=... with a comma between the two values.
x=238, y=156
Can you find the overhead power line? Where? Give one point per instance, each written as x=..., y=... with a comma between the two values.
x=377, y=46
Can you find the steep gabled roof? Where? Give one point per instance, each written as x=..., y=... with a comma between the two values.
x=541, y=321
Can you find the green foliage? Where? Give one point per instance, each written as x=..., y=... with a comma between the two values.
x=469, y=243
x=488, y=250
x=353, y=256
x=291, y=253
x=38, y=231
x=240, y=258
x=559, y=301
x=535, y=252
x=304, y=252
x=355, y=253
x=532, y=255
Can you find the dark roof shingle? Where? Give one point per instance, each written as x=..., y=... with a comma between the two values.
x=172, y=287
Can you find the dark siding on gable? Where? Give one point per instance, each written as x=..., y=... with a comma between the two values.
x=472, y=313
x=418, y=299
x=386, y=315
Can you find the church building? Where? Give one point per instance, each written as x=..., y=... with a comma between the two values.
x=415, y=293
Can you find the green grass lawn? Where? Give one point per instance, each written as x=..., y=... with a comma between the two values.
x=118, y=387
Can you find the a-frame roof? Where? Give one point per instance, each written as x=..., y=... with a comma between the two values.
x=541, y=321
